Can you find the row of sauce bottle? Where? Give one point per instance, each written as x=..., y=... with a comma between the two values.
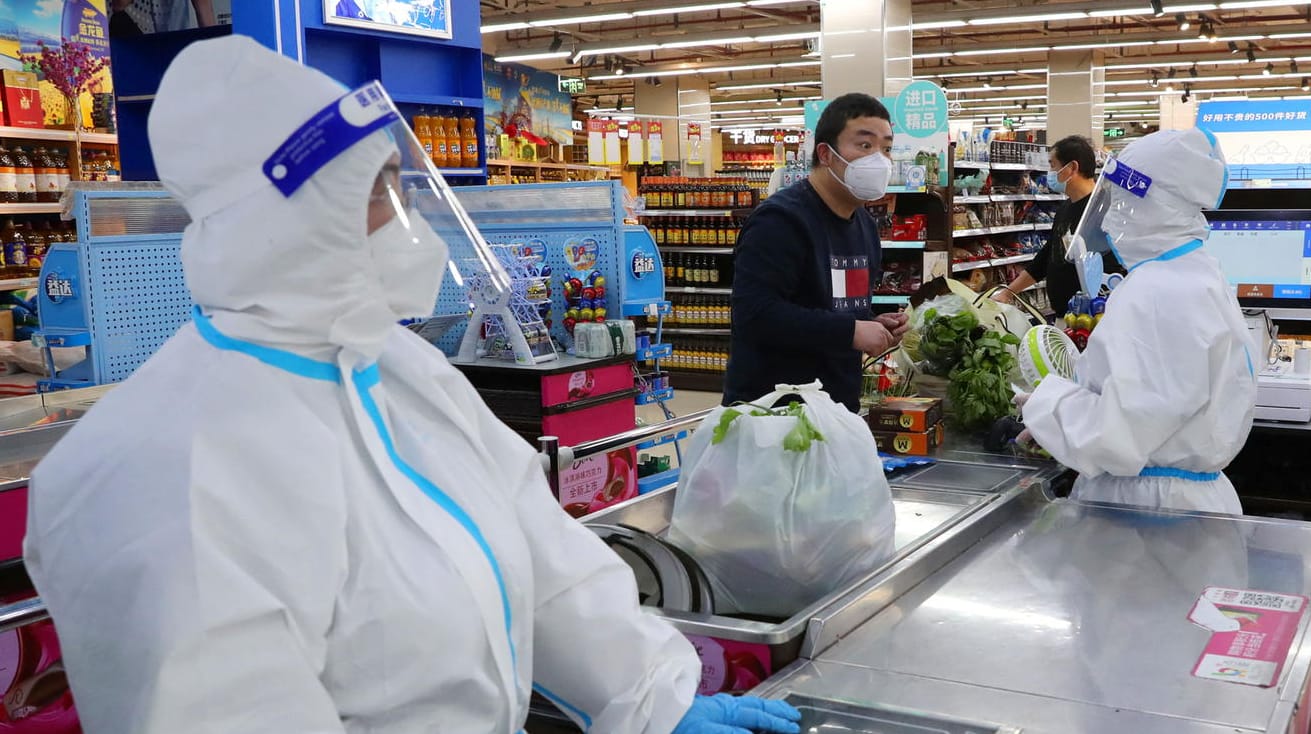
x=692, y=270
x=30, y=177
x=450, y=138
x=704, y=231
x=698, y=355
x=25, y=245
x=700, y=311
x=680, y=192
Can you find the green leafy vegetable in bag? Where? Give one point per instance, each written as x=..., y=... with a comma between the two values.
x=798, y=439
x=980, y=390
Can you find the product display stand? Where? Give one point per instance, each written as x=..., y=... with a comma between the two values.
x=509, y=323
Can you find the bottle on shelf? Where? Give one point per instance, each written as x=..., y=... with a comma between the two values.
x=62, y=171
x=8, y=178
x=451, y=123
x=47, y=180
x=26, y=177
x=437, y=128
x=38, y=242
x=423, y=130
x=110, y=166
x=469, y=140
x=15, y=248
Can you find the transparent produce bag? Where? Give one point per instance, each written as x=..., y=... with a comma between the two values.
x=781, y=506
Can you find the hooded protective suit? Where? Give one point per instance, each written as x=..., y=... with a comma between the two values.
x=1163, y=396
x=297, y=516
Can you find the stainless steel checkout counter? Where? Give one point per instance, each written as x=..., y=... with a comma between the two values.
x=1005, y=610
x=1001, y=611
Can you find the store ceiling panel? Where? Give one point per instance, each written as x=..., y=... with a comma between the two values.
x=751, y=49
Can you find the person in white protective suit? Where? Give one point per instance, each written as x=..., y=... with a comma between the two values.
x=297, y=516
x=1163, y=396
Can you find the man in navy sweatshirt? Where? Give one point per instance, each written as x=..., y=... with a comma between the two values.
x=807, y=261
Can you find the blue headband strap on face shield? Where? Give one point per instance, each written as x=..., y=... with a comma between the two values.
x=328, y=134
x=1128, y=179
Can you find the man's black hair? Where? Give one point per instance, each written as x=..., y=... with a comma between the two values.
x=1079, y=149
x=840, y=111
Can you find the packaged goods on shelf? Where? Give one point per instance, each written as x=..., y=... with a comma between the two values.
x=679, y=192
x=900, y=278
x=449, y=136
x=703, y=231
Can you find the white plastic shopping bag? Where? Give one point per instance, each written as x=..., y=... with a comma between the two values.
x=781, y=506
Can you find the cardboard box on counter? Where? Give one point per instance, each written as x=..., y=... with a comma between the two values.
x=22, y=99
x=911, y=443
x=912, y=415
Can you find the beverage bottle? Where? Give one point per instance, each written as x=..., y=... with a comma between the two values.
x=46, y=179
x=680, y=270
x=61, y=169
x=469, y=139
x=423, y=130
x=453, y=141
x=8, y=177
x=26, y=176
x=37, y=243
x=714, y=272
x=15, y=250
x=437, y=128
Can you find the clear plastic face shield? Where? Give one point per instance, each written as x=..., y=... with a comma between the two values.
x=1119, y=191
x=419, y=236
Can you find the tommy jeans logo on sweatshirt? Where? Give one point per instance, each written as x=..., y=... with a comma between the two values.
x=851, y=286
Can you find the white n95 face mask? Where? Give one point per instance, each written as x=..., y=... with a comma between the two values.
x=866, y=178
x=411, y=260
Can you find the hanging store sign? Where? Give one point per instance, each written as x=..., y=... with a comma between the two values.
x=612, y=142
x=573, y=86
x=655, y=142
x=694, y=143
x=1114, y=132
x=636, y=144
x=596, y=142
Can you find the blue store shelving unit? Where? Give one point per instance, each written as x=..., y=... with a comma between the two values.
x=418, y=71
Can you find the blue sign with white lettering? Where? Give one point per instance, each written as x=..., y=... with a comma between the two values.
x=328, y=134
x=1126, y=178
x=1255, y=115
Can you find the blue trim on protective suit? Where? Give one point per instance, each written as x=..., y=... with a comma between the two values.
x=1166, y=472
x=1224, y=184
x=1168, y=255
x=1248, y=356
x=366, y=379
x=283, y=360
x=563, y=704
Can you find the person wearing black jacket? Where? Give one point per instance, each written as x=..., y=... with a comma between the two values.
x=1073, y=166
x=807, y=262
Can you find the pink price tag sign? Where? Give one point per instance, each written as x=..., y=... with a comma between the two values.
x=1251, y=634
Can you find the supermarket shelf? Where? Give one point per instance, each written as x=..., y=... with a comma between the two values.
x=696, y=380
x=499, y=163
x=973, y=165
x=1015, y=167
x=462, y=171
x=699, y=289
x=18, y=284
x=686, y=213
x=1014, y=259
x=692, y=331
x=675, y=249
x=438, y=99
x=907, y=189
x=30, y=209
x=982, y=199
x=1044, y=227
x=890, y=300
x=32, y=133
x=982, y=231
x=998, y=262
x=903, y=245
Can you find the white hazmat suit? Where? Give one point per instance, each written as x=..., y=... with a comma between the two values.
x=297, y=516
x=1163, y=396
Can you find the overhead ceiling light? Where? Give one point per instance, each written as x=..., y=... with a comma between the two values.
x=1193, y=71
x=556, y=42
x=768, y=85
x=1292, y=66
x=1036, y=18
x=1170, y=74
x=987, y=83
x=787, y=37
x=1233, y=47
x=1156, y=79
x=714, y=42
x=533, y=56
x=1240, y=4
x=497, y=27
x=1269, y=69
x=1183, y=22
x=1157, y=10
x=690, y=8
x=1305, y=85
x=1251, y=53
x=1120, y=11
x=1199, y=7
x=1204, y=31
x=935, y=24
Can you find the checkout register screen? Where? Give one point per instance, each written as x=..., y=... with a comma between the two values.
x=1264, y=259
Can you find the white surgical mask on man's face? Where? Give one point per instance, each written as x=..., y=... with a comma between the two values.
x=866, y=177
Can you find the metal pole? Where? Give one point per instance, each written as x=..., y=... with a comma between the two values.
x=551, y=455
x=638, y=435
x=21, y=614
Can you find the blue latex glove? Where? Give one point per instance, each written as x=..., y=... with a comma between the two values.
x=725, y=714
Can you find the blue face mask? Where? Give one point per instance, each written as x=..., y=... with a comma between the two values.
x=1054, y=181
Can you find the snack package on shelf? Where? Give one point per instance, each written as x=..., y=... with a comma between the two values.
x=900, y=278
